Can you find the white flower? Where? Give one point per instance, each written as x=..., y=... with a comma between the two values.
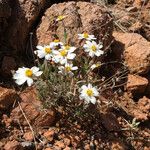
x=93, y=48
x=86, y=36
x=98, y=64
x=60, y=18
x=69, y=48
x=44, y=52
x=56, y=44
x=88, y=93
x=26, y=74
x=63, y=55
x=67, y=69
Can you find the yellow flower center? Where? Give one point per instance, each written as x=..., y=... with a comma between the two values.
x=85, y=35
x=56, y=41
x=68, y=68
x=28, y=73
x=48, y=50
x=67, y=47
x=60, y=17
x=93, y=47
x=63, y=52
x=89, y=92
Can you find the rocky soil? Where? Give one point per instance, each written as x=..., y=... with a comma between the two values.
x=124, y=28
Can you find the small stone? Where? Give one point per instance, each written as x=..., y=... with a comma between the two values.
x=48, y=148
x=7, y=98
x=136, y=84
x=49, y=135
x=67, y=141
x=60, y=144
x=13, y=145
x=67, y=148
x=28, y=136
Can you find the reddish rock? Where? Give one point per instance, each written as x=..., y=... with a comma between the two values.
x=28, y=136
x=80, y=17
x=144, y=105
x=6, y=120
x=34, y=111
x=8, y=64
x=136, y=51
x=60, y=144
x=118, y=145
x=7, y=97
x=13, y=145
x=24, y=14
x=136, y=84
x=67, y=141
x=49, y=135
x=48, y=149
x=139, y=110
x=110, y=122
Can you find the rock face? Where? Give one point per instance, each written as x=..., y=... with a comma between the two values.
x=32, y=108
x=80, y=17
x=23, y=15
x=17, y=17
x=136, y=51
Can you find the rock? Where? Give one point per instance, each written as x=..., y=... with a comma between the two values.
x=139, y=3
x=80, y=17
x=5, y=13
x=144, y=105
x=132, y=9
x=118, y=145
x=60, y=144
x=28, y=136
x=34, y=111
x=8, y=64
x=49, y=135
x=110, y=122
x=145, y=30
x=136, y=51
x=136, y=84
x=24, y=14
x=7, y=98
x=139, y=110
x=13, y=145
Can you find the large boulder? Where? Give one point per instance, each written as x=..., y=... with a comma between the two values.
x=80, y=17
x=136, y=51
x=17, y=18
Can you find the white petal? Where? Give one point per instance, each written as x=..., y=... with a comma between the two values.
x=41, y=53
x=71, y=55
x=74, y=68
x=63, y=61
x=35, y=69
x=93, y=100
x=29, y=81
x=91, y=54
x=37, y=74
x=95, y=91
x=72, y=49
x=90, y=86
x=39, y=47
x=48, y=57
x=20, y=81
x=84, y=87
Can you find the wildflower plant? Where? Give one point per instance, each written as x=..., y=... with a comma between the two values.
x=64, y=75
